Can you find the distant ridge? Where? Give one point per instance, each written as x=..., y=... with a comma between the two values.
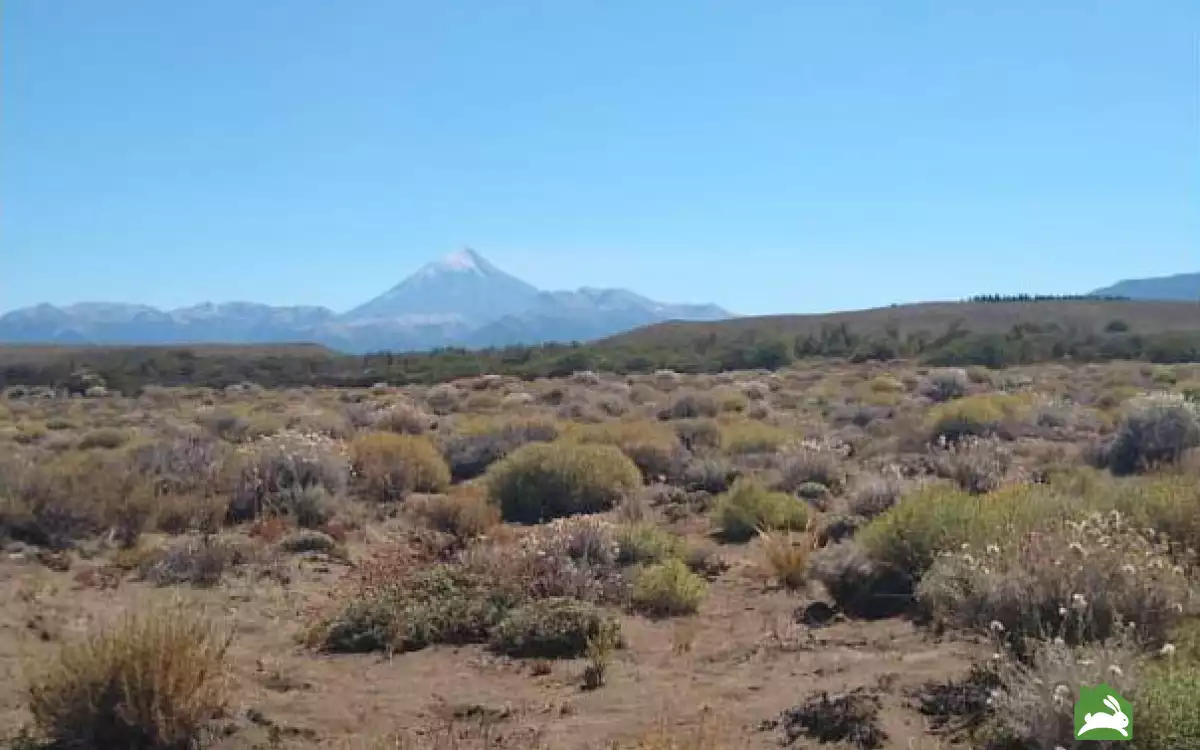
x=1180, y=286
x=460, y=300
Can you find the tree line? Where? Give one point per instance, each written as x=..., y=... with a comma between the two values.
x=129, y=369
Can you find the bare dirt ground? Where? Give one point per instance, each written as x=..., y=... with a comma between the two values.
x=719, y=674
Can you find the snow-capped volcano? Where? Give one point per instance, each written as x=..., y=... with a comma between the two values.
x=462, y=284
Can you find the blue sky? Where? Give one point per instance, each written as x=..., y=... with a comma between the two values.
x=770, y=156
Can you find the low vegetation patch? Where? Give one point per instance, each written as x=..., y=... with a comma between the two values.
x=556, y=628
x=1084, y=581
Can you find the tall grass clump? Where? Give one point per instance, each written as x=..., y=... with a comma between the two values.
x=749, y=507
x=788, y=556
x=152, y=682
x=389, y=467
x=542, y=481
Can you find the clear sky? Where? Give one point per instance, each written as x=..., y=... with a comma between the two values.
x=766, y=155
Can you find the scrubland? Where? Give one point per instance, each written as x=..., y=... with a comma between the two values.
x=873, y=554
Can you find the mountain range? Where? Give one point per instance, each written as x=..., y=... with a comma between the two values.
x=459, y=300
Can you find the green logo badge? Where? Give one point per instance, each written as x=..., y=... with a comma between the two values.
x=1101, y=714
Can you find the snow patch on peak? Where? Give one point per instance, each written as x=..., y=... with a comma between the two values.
x=459, y=261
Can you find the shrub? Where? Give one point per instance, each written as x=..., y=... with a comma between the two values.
x=404, y=419
x=811, y=465
x=644, y=543
x=470, y=454
x=749, y=507
x=466, y=514
x=909, y=536
x=556, y=628
x=875, y=495
x=199, y=561
x=850, y=718
x=1034, y=706
x=1155, y=431
x=690, y=405
x=976, y=466
x=389, y=467
x=56, y=502
x=441, y=604
x=107, y=438
x=651, y=446
x=1079, y=582
x=184, y=465
x=308, y=540
x=788, y=557
x=712, y=475
x=667, y=589
x=288, y=474
x=860, y=585
x=699, y=434
x=746, y=437
x=550, y=480
x=599, y=655
x=153, y=682
x=1167, y=696
x=945, y=385
x=972, y=416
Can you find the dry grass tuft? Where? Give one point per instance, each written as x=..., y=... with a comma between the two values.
x=788, y=556
x=152, y=682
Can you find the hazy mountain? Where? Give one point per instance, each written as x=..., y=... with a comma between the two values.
x=1181, y=286
x=585, y=314
x=459, y=300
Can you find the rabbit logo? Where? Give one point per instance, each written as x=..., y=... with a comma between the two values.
x=1102, y=714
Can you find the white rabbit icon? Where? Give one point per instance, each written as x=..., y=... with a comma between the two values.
x=1116, y=720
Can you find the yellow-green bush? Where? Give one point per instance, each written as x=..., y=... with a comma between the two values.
x=749, y=507
x=646, y=542
x=911, y=534
x=388, y=467
x=749, y=436
x=652, y=446
x=667, y=589
x=978, y=416
x=541, y=481
x=151, y=683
